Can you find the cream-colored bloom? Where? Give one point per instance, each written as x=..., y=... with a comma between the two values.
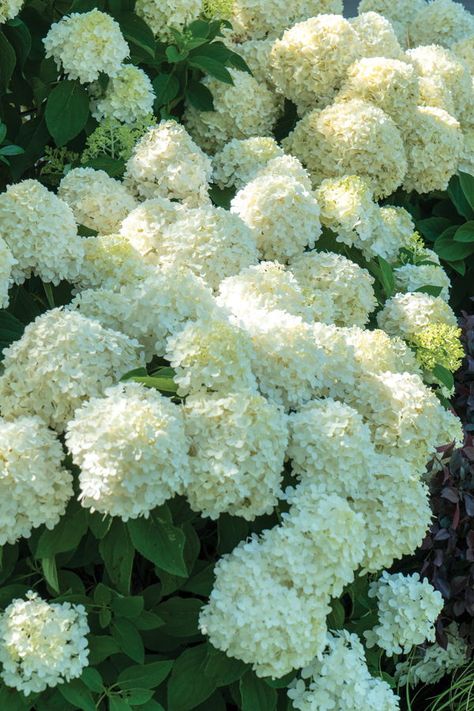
x=401, y=14
x=9, y=9
x=256, y=19
x=110, y=261
x=239, y=161
x=377, y=36
x=162, y=15
x=129, y=96
x=7, y=262
x=406, y=314
x=441, y=22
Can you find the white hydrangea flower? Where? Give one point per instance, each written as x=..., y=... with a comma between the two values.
x=348, y=209
x=390, y=84
x=282, y=213
x=9, y=9
x=166, y=14
x=239, y=161
x=466, y=163
x=376, y=35
x=41, y=644
x=289, y=166
x=151, y=309
x=375, y=351
x=268, y=285
x=349, y=286
x=258, y=18
x=407, y=611
x=7, y=262
x=88, y=192
x=61, y=360
x=256, y=53
x=167, y=163
x=441, y=22
x=132, y=451
x=34, y=487
x=401, y=14
x=464, y=49
x=40, y=230
x=393, y=230
x=430, y=665
x=211, y=241
x=237, y=450
x=110, y=261
x=406, y=314
x=434, y=145
x=350, y=138
x=129, y=96
x=339, y=680
x=86, y=44
x=144, y=226
x=411, y=277
x=243, y=109
x=310, y=61
x=211, y=353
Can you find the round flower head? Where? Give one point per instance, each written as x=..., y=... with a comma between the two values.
x=42, y=645
x=348, y=209
x=131, y=448
x=110, y=261
x=429, y=665
x=401, y=14
x=143, y=227
x=439, y=344
x=248, y=599
x=87, y=44
x=239, y=161
x=350, y=138
x=243, y=109
x=259, y=18
x=411, y=277
x=211, y=353
x=407, y=610
x=41, y=233
x=283, y=214
x=339, y=680
x=309, y=63
x=98, y=201
x=9, y=9
x=129, y=96
x=61, y=360
x=393, y=230
x=288, y=166
x=167, y=163
x=377, y=36
x=375, y=351
x=34, y=487
x=237, y=450
x=466, y=163
x=406, y=314
x=464, y=50
x=444, y=80
x=390, y=84
x=256, y=53
x=349, y=286
x=151, y=309
x=7, y=262
x=267, y=285
x=165, y=15
x=211, y=241
x=441, y=22
x=434, y=145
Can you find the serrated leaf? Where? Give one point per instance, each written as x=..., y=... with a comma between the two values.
x=212, y=67
x=67, y=111
x=160, y=542
x=145, y=676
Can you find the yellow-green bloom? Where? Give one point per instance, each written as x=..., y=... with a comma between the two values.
x=218, y=8
x=115, y=139
x=439, y=344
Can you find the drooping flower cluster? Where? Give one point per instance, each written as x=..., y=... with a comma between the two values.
x=42, y=644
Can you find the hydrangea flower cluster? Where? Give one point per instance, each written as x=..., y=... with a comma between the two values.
x=129, y=96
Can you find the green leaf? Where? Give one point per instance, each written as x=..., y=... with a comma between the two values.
x=337, y=615
x=160, y=542
x=188, y=685
x=256, y=695
x=444, y=376
x=174, y=56
x=231, y=530
x=118, y=704
x=466, y=182
x=11, y=700
x=77, y=693
x=117, y=553
x=465, y=233
x=50, y=572
x=429, y=289
x=138, y=697
x=450, y=250
x=146, y=676
x=3, y=132
x=212, y=67
x=67, y=111
x=136, y=31
x=148, y=621
x=101, y=647
x=11, y=330
x=7, y=61
x=199, y=96
x=166, y=88
x=180, y=616
x=114, y=167
x=458, y=266
x=166, y=385
x=433, y=227
x=20, y=37
x=152, y=705
x=199, y=28
x=129, y=607
x=66, y=536
x=11, y=150
x=202, y=582
x=222, y=669
x=92, y=679
x=129, y=639
x=458, y=198
x=386, y=277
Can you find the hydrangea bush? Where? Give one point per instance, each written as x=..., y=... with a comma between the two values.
x=227, y=354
